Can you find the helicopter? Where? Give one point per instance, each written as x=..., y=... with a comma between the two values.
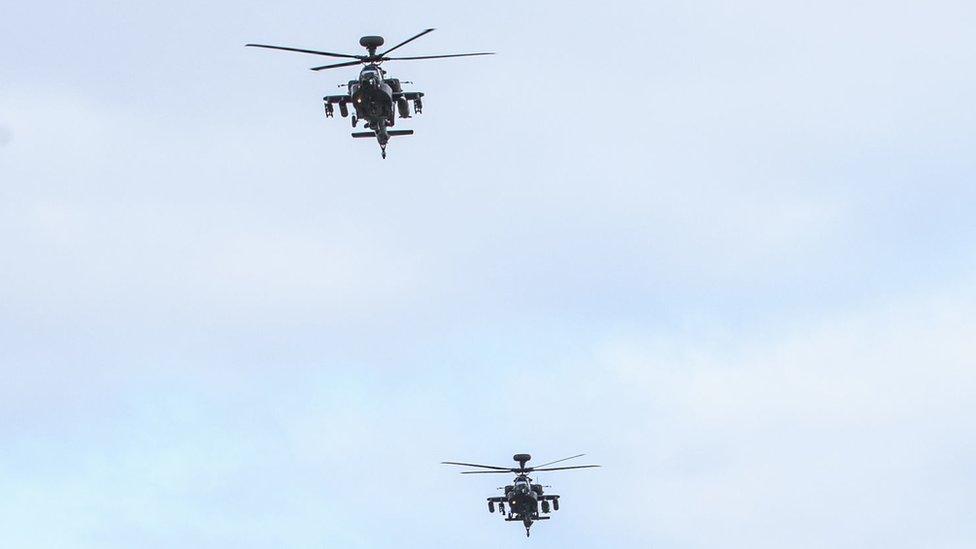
x=373, y=95
x=525, y=500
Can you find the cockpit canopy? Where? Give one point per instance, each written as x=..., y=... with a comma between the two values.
x=371, y=73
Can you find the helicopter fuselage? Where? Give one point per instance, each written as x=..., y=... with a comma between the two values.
x=523, y=496
x=525, y=502
x=372, y=96
x=377, y=102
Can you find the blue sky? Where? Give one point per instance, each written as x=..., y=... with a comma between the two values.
x=726, y=250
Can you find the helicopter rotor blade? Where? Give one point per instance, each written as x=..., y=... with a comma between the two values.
x=408, y=40
x=346, y=64
x=497, y=468
x=313, y=52
x=508, y=472
x=438, y=56
x=566, y=468
x=558, y=461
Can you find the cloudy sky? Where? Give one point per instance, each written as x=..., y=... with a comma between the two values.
x=726, y=249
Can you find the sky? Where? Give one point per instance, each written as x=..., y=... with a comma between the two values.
x=725, y=249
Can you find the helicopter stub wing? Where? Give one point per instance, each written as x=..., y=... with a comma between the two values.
x=337, y=99
x=409, y=96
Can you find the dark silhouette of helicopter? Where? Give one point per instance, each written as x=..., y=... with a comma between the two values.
x=372, y=94
x=525, y=500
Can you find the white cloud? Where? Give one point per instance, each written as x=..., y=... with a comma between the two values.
x=850, y=433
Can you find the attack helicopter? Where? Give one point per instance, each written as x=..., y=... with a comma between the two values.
x=525, y=500
x=373, y=95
